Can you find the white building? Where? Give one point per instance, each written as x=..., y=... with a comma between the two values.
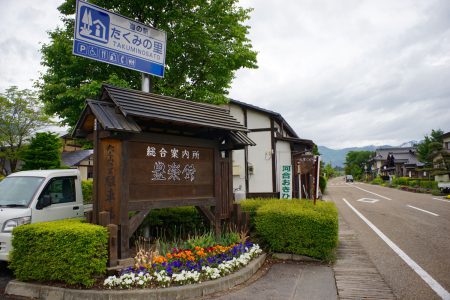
x=256, y=170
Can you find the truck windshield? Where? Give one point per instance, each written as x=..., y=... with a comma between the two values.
x=18, y=191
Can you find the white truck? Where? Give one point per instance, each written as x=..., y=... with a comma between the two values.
x=444, y=186
x=37, y=196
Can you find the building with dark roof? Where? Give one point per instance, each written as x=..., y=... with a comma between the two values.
x=401, y=162
x=257, y=170
x=441, y=160
x=80, y=159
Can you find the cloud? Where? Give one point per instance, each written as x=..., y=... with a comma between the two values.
x=343, y=73
x=25, y=24
x=348, y=73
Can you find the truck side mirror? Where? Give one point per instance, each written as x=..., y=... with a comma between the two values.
x=45, y=201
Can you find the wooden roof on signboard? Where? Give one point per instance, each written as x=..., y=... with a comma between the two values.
x=119, y=110
x=153, y=106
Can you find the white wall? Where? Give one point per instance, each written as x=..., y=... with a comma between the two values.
x=260, y=156
x=237, y=113
x=283, y=158
x=83, y=172
x=239, y=166
x=256, y=120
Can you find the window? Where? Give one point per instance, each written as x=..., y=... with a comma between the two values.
x=61, y=190
x=18, y=191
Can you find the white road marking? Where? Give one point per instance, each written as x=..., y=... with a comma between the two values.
x=442, y=200
x=428, y=212
x=357, y=187
x=442, y=292
x=368, y=200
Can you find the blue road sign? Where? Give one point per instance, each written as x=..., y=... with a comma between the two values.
x=108, y=37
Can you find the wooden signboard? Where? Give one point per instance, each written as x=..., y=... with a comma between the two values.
x=160, y=172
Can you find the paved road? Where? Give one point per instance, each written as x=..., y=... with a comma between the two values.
x=5, y=277
x=413, y=226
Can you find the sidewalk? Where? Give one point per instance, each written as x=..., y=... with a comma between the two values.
x=290, y=280
x=353, y=276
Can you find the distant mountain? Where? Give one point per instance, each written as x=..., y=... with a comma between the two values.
x=409, y=144
x=337, y=156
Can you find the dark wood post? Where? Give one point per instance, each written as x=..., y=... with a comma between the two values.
x=112, y=244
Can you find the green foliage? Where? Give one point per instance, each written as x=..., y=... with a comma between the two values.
x=422, y=183
x=430, y=143
x=21, y=114
x=378, y=181
x=204, y=240
x=68, y=251
x=43, y=152
x=322, y=184
x=251, y=206
x=299, y=227
x=355, y=162
x=329, y=171
x=86, y=187
x=175, y=223
x=206, y=43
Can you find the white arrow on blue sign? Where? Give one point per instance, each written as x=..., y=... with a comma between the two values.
x=108, y=37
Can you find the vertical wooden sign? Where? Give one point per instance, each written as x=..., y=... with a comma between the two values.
x=110, y=177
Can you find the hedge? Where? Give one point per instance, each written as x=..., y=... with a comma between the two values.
x=416, y=182
x=377, y=180
x=322, y=184
x=299, y=227
x=86, y=186
x=175, y=222
x=67, y=251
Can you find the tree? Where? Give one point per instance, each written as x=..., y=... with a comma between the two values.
x=329, y=171
x=431, y=143
x=43, y=152
x=355, y=162
x=206, y=43
x=21, y=114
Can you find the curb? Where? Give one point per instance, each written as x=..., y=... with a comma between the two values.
x=294, y=257
x=37, y=291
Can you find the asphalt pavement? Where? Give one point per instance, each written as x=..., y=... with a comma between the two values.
x=405, y=234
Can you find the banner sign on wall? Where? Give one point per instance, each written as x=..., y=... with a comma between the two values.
x=286, y=182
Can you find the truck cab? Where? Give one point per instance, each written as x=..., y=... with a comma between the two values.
x=37, y=196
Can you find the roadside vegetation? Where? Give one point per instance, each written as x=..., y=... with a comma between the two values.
x=416, y=185
x=181, y=249
x=357, y=164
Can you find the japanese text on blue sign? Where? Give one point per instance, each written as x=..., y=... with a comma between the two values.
x=108, y=37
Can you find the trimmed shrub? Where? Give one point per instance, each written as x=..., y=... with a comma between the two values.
x=378, y=181
x=176, y=222
x=413, y=183
x=252, y=205
x=67, y=250
x=86, y=186
x=299, y=227
x=322, y=184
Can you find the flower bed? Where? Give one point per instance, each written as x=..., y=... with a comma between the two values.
x=186, y=266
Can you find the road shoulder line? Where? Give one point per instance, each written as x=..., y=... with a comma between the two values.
x=437, y=288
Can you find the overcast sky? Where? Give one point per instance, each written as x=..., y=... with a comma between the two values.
x=342, y=73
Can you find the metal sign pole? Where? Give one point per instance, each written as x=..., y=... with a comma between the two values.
x=146, y=85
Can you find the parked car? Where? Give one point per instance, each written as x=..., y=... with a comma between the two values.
x=348, y=178
x=37, y=196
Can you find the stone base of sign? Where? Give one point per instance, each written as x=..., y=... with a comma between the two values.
x=294, y=257
x=193, y=291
